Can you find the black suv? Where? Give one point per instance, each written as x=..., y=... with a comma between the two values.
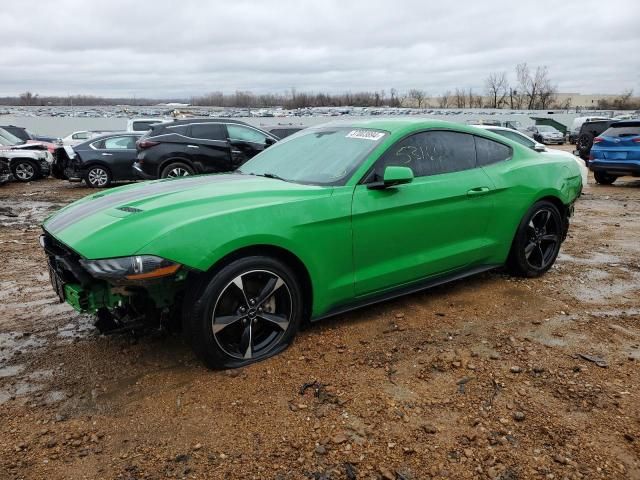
x=589, y=131
x=188, y=147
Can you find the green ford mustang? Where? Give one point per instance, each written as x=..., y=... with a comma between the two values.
x=329, y=219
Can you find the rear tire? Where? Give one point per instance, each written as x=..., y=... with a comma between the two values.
x=98, y=177
x=249, y=310
x=24, y=170
x=537, y=241
x=584, y=144
x=176, y=169
x=603, y=178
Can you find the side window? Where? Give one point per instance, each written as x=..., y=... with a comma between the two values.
x=207, y=131
x=431, y=153
x=118, y=143
x=488, y=151
x=516, y=137
x=245, y=134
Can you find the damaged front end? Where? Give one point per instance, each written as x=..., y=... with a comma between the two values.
x=124, y=293
x=66, y=164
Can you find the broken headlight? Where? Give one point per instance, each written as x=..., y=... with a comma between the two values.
x=138, y=267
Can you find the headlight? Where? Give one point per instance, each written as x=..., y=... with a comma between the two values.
x=139, y=267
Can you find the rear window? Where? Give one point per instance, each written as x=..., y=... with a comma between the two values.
x=208, y=131
x=488, y=151
x=143, y=126
x=622, y=131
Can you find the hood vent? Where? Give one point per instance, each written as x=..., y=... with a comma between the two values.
x=130, y=209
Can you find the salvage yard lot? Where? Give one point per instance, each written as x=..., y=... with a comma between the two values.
x=482, y=378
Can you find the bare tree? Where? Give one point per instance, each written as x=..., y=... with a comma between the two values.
x=443, y=100
x=417, y=95
x=460, y=98
x=537, y=86
x=622, y=102
x=497, y=87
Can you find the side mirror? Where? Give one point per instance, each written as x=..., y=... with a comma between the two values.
x=539, y=148
x=268, y=142
x=393, y=176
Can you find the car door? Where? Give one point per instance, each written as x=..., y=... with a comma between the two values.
x=433, y=225
x=208, y=148
x=246, y=142
x=120, y=153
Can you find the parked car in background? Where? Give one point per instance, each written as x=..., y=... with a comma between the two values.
x=99, y=161
x=25, y=135
x=588, y=131
x=616, y=152
x=577, y=123
x=283, y=132
x=5, y=172
x=545, y=134
x=528, y=142
x=25, y=164
x=82, y=136
x=143, y=124
x=328, y=220
x=188, y=147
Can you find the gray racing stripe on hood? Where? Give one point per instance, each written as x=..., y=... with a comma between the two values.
x=68, y=217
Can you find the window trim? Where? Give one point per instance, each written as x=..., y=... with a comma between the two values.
x=92, y=144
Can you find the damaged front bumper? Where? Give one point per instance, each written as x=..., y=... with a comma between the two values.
x=75, y=285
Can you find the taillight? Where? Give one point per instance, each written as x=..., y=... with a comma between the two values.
x=146, y=143
x=636, y=140
x=598, y=140
x=591, y=157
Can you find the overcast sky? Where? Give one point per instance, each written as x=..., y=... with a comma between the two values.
x=166, y=48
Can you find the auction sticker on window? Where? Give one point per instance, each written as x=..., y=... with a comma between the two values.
x=365, y=134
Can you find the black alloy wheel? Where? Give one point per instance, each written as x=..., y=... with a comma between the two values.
x=537, y=241
x=248, y=311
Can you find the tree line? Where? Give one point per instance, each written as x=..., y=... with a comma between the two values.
x=532, y=89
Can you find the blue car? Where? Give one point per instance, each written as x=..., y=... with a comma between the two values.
x=616, y=152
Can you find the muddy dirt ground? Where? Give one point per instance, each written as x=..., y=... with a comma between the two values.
x=478, y=379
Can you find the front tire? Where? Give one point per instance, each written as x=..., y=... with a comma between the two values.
x=98, y=177
x=25, y=170
x=603, y=178
x=537, y=241
x=246, y=312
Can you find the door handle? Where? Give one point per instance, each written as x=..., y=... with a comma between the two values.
x=474, y=192
x=193, y=146
x=107, y=154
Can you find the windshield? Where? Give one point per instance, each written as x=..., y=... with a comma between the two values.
x=319, y=156
x=547, y=129
x=8, y=137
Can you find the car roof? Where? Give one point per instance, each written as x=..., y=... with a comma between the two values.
x=117, y=134
x=496, y=127
x=399, y=126
x=188, y=121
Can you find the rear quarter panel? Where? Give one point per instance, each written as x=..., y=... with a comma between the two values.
x=521, y=182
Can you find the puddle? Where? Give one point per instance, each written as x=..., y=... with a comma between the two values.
x=595, y=258
x=11, y=342
x=82, y=326
x=25, y=212
x=11, y=370
x=600, y=286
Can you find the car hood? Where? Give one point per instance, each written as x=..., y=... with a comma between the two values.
x=123, y=220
